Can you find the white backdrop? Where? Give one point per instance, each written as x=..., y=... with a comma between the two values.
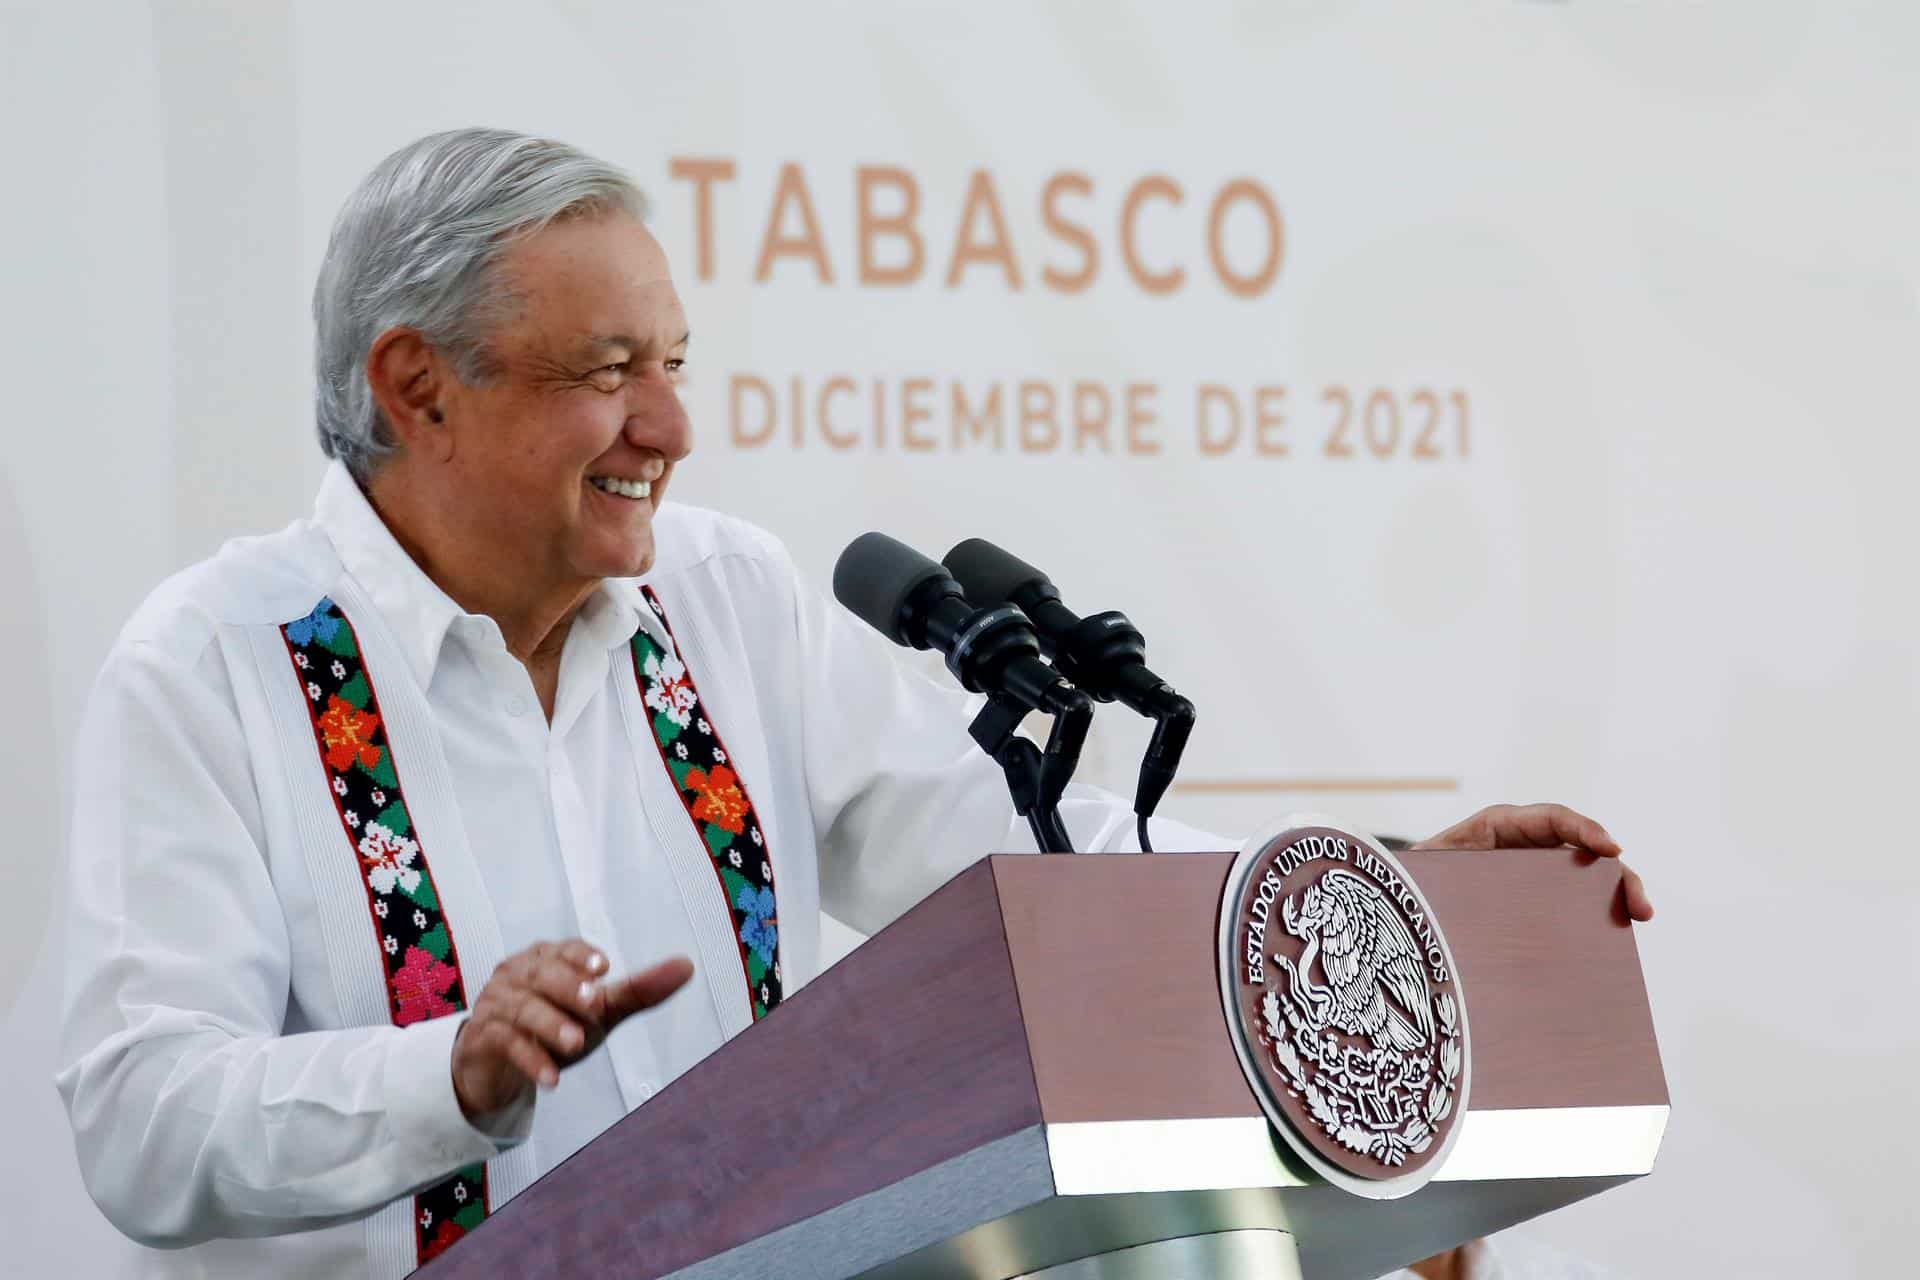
x=1635, y=281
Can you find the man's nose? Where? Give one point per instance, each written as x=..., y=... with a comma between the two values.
x=656, y=419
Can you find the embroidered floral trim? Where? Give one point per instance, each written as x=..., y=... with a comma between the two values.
x=422, y=964
x=445, y=1212
x=717, y=802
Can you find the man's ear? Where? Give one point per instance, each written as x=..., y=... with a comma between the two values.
x=407, y=377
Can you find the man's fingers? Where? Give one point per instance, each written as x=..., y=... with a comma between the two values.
x=576, y=954
x=541, y=1009
x=584, y=956
x=545, y=1008
x=1639, y=905
x=532, y=1061
x=1458, y=835
x=563, y=985
x=645, y=989
x=1516, y=826
x=487, y=1044
x=1542, y=826
x=539, y=1018
x=1579, y=830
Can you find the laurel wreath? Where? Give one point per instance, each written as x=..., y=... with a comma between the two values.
x=1390, y=1147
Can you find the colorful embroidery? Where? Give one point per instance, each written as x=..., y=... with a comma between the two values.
x=422, y=964
x=718, y=804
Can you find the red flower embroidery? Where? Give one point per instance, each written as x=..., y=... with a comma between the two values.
x=345, y=729
x=444, y=1238
x=721, y=801
x=419, y=986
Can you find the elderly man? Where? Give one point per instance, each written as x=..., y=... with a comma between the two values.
x=390, y=817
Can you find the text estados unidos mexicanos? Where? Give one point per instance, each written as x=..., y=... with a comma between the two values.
x=1309, y=849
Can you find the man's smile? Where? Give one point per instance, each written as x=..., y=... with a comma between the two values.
x=622, y=487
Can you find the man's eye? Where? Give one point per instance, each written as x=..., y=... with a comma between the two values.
x=676, y=363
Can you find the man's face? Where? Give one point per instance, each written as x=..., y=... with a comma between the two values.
x=582, y=403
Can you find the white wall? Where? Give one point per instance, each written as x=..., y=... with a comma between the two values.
x=1664, y=250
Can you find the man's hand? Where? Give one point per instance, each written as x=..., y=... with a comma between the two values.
x=1542, y=826
x=542, y=1010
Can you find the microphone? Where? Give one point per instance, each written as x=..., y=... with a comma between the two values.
x=913, y=601
x=1104, y=654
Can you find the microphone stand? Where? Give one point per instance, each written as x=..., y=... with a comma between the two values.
x=1172, y=723
x=1036, y=779
x=1105, y=654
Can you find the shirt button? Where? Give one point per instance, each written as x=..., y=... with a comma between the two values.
x=516, y=705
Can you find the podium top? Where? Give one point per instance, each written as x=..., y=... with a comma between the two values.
x=1560, y=1016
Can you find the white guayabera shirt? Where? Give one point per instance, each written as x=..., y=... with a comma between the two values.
x=233, y=1080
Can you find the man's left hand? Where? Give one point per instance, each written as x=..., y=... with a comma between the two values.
x=1542, y=826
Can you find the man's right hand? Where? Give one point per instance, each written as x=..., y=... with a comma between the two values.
x=544, y=1008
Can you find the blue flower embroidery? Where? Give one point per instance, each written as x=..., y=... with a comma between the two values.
x=323, y=623
x=760, y=931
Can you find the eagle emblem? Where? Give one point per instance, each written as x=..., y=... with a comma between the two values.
x=1345, y=1006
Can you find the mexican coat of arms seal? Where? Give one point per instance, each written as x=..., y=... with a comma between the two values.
x=1345, y=1006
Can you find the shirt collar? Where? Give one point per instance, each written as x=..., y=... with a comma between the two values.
x=417, y=611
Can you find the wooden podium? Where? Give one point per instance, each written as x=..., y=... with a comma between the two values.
x=1032, y=1070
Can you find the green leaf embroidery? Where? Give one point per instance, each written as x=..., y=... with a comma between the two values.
x=342, y=642
x=665, y=730
x=471, y=1216
x=756, y=968
x=718, y=838
x=423, y=894
x=734, y=883
x=395, y=819
x=357, y=691
x=435, y=940
x=382, y=772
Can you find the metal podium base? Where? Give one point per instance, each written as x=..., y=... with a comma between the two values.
x=1223, y=1255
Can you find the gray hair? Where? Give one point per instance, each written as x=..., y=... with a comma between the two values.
x=415, y=245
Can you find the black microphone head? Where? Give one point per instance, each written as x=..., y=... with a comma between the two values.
x=876, y=576
x=990, y=576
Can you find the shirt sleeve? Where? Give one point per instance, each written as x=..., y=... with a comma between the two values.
x=902, y=797
x=194, y=1116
